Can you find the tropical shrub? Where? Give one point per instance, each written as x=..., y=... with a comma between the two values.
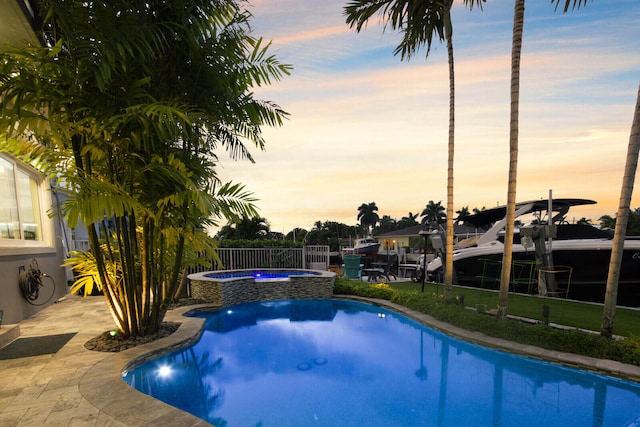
x=125, y=106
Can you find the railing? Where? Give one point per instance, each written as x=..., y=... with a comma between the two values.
x=316, y=257
x=313, y=257
x=80, y=245
x=235, y=259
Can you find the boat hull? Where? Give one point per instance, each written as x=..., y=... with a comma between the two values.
x=369, y=250
x=367, y=246
x=585, y=278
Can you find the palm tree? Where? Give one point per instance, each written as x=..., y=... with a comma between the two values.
x=408, y=221
x=368, y=216
x=247, y=228
x=633, y=225
x=462, y=214
x=516, y=49
x=131, y=130
x=254, y=228
x=296, y=235
x=419, y=21
x=433, y=214
x=607, y=221
x=611, y=293
x=386, y=224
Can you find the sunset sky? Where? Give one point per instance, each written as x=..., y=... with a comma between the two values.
x=367, y=127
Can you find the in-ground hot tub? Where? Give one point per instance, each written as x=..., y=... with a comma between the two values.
x=229, y=287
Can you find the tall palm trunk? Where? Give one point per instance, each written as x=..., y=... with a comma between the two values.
x=448, y=271
x=622, y=218
x=516, y=49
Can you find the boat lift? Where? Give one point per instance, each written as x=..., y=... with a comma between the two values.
x=540, y=236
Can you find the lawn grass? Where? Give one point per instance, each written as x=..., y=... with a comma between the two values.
x=569, y=313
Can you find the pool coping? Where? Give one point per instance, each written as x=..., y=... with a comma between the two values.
x=102, y=385
x=211, y=275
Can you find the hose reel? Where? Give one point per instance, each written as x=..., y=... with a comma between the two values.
x=30, y=283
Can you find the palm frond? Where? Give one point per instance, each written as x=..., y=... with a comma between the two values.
x=232, y=201
x=97, y=199
x=417, y=21
x=573, y=4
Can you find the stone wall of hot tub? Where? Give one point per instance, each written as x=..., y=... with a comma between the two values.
x=227, y=292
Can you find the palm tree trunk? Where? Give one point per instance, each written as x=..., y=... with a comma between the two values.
x=516, y=49
x=611, y=294
x=448, y=271
x=111, y=296
x=111, y=291
x=147, y=264
x=126, y=236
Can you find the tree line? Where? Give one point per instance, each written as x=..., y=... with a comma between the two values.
x=335, y=234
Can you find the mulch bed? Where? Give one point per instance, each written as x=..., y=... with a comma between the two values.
x=107, y=343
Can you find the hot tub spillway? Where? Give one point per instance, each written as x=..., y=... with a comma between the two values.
x=229, y=287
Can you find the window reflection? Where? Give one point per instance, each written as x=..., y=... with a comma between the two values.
x=20, y=216
x=29, y=207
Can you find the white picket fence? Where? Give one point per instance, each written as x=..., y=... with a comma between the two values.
x=308, y=257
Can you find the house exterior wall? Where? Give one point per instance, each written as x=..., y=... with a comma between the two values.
x=49, y=258
x=396, y=242
x=16, y=29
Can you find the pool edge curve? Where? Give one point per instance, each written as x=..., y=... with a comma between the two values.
x=102, y=385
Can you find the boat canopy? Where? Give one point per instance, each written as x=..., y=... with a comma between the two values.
x=489, y=216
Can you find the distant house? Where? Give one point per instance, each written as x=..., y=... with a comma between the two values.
x=28, y=235
x=402, y=238
x=412, y=241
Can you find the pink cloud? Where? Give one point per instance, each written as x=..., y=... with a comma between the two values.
x=314, y=34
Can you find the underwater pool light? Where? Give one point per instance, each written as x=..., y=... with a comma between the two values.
x=165, y=371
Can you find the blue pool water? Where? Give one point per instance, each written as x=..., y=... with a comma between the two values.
x=261, y=274
x=346, y=363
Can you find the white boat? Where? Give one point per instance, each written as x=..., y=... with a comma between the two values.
x=549, y=257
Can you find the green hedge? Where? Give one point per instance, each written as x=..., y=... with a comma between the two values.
x=258, y=244
x=570, y=341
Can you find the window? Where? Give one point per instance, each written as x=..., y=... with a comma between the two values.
x=20, y=204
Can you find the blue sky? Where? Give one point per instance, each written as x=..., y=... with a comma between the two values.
x=366, y=127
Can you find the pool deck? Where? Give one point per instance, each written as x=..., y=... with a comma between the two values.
x=80, y=387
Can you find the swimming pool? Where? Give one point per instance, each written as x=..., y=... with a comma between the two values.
x=346, y=363
x=268, y=274
x=230, y=287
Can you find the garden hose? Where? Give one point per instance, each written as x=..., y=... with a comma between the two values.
x=30, y=282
